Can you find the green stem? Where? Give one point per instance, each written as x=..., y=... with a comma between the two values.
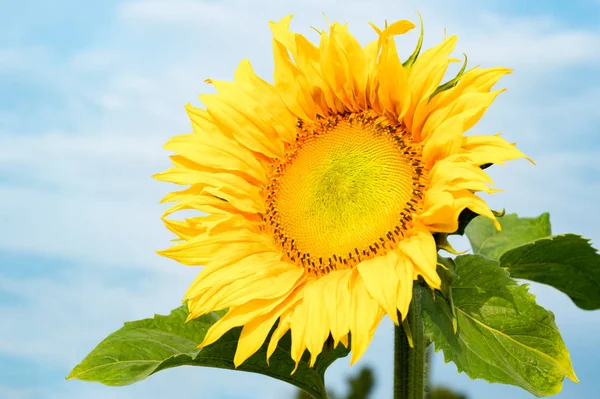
x=410, y=375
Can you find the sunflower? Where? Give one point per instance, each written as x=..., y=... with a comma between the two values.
x=320, y=194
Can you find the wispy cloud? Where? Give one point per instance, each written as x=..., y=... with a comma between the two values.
x=532, y=44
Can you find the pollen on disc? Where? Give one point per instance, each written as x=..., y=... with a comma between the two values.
x=342, y=190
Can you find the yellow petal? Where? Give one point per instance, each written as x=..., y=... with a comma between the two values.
x=234, y=189
x=230, y=116
x=217, y=152
x=364, y=318
x=490, y=149
x=394, y=92
x=337, y=303
x=213, y=223
x=238, y=316
x=203, y=124
x=476, y=80
x=449, y=175
x=260, y=105
x=379, y=277
x=297, y=98
x=230, y=267
x=320, y=323
x=264, y=283
x=479, y=80
x=405, y=274
x=282, y=327
x=300, y=326
x=184, y=229
x=283, y=121
x=255, y=332
x=478, y=103
x=201, y=249
x=426, y=74
x=395, y=28
x=372, y=53
x=344, y=67
x=421, y=250
x=442, y=208
x=447, y=138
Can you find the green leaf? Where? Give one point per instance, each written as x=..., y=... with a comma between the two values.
x=144, y=347
x=503, y=335
x=488, y=241
x=567, y=262
x=524, y=246
x=445, y=269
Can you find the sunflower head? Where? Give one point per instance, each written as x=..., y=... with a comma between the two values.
x=319, y=195
x=345, y=191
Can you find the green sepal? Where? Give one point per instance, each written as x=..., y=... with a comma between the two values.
x=407, y=331
x=441, y=242
x=453, y=82
x=413, y=57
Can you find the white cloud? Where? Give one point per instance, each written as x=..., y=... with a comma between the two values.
x=176, y=12
x=11, y=59
x=562, y=183
x=85, y=305
x=95, y=60
x=528, y=44
x=20, y=59
x=20, y=393
x=83, y=197
x=534, y=42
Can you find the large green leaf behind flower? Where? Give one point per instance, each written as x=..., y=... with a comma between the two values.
x=486, y=240
x=502, y=334
x=144, y=347
x=525, y=248
x=567, y=262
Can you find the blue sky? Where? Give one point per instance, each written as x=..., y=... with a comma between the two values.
x=90, y=91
